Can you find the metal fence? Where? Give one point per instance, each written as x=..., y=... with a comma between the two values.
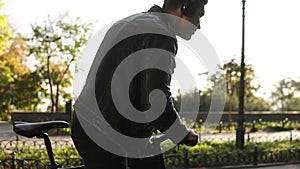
x=252, y=157
x=9, y=149
x=11, y=144
x=32, y=163
x=185, y=159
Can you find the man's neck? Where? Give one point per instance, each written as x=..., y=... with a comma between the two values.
x=176, y=12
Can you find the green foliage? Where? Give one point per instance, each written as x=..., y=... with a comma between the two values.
x=5, y=32
x=28, y=90
x=227, y=78
x=231, y=75
x=188, y=101
x=255, y=103
x=60, y=132
x=56, y=44
x=275, y=145
x=5, y=72
x=13, y=72
x=19, y=87
x=284, y=125
x=3, y=154
x=205, y=100
x=5, y=75
x=286, y=96
x=214, y=153
x=40, y=153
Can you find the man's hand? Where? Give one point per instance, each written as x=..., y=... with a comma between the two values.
x=191, y=139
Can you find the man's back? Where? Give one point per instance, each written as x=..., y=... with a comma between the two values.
x=135, y=34
x=120, y=105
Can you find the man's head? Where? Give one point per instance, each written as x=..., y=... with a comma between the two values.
x=189, y=10
x=188, y=6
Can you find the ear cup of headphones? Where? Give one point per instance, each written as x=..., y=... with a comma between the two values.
x=189, y=8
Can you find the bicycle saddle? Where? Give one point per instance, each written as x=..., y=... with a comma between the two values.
x=38, y=128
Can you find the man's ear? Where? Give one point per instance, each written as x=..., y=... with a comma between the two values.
x=179, y=12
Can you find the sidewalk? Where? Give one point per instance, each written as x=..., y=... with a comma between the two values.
x=6, y=133
x=291, y=166
x=261, y=166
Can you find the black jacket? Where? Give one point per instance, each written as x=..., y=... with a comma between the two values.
x=124, y=39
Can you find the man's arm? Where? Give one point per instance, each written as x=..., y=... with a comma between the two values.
x=158, y=79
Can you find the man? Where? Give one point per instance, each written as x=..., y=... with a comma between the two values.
x=125, y=96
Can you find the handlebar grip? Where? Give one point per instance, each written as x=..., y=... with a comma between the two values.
x=187, y=142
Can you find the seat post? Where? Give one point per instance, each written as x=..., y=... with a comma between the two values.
x=53, y=164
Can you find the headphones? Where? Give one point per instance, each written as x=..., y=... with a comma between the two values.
x=189, y=7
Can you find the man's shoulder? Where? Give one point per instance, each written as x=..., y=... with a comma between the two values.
x=147, y=22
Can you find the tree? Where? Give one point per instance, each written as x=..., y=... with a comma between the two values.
x=5, y=31
x=5, y=36
x=186, y=102
x=19, y=87
x=177, y=100
x=232, y=70
x=205, y=100
x=231, y=75
x=286, y=96
x=12, y=49
x=57, y=44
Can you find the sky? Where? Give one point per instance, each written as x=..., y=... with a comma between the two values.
x=272, y=29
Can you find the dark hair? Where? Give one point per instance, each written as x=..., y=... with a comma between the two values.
x=174, y=4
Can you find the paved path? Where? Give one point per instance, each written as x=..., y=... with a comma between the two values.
x=292, y=166
x=268, y=166
x=256, y=137
x=6, y=133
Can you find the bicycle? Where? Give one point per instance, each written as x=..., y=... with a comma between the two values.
x=40, y=129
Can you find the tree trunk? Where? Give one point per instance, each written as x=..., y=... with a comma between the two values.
x=50, y=84
x=229, y=111
x=57, y=98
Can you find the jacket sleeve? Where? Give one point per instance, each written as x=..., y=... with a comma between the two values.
x=157, y=79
